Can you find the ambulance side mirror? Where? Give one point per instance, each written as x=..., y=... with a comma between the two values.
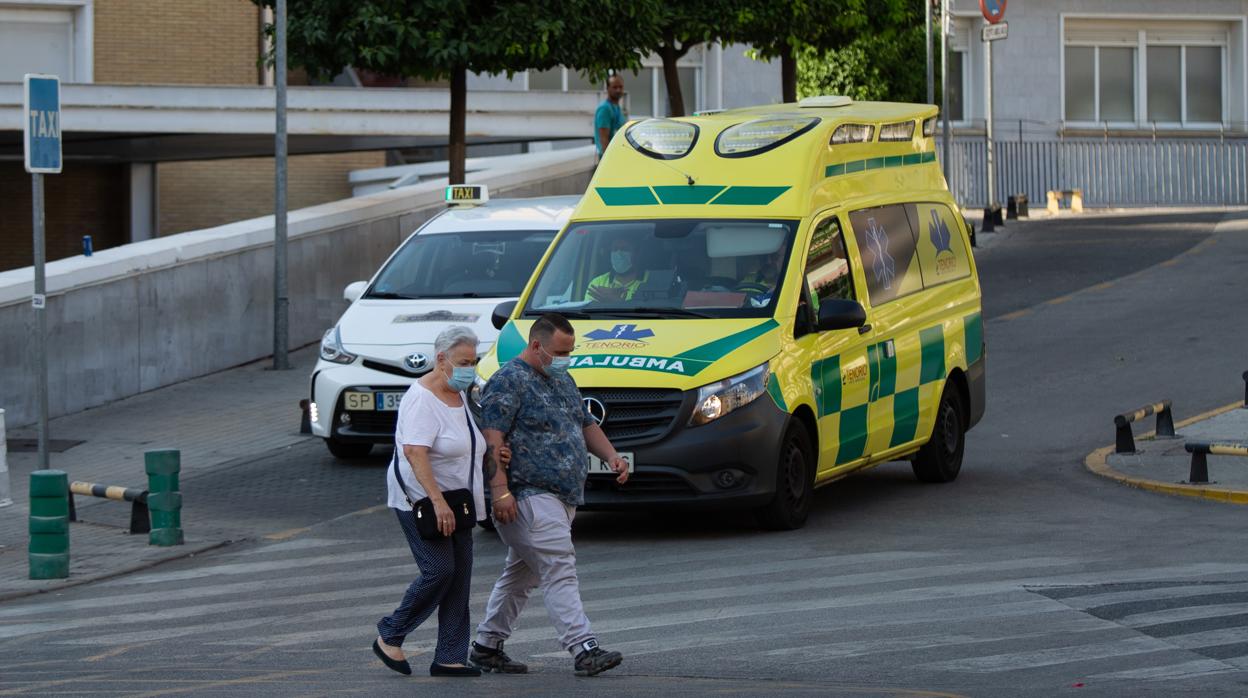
x=840, y=314
x=502, y=313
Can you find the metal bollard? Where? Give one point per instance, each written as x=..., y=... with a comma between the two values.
x=164, y=501
x=49, y=524
x=5, y=491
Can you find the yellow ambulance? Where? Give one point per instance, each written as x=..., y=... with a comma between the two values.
x=766, y=300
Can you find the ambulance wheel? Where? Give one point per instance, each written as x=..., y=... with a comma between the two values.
x=795, y=483
x=940, y=459
x=348, y=449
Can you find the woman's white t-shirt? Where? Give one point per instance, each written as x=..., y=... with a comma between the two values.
x=424, y=420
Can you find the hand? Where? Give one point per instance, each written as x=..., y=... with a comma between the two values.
x=504, y=509
x=603, y=293
x=504, y=455
x=446, y=518
x=620, y=466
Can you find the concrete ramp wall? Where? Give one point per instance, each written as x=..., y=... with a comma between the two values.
x=149, y=314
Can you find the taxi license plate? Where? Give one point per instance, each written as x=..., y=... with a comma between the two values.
x=597, y=465
x=378, y=401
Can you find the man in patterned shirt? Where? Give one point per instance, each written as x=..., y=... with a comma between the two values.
x=534, y=406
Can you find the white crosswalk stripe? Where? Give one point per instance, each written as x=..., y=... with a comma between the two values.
x=809, y=606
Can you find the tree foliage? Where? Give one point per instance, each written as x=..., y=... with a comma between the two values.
x=784, y=29
x=883, y=62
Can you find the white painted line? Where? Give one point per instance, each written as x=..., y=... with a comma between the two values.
x=1209, y=638
x=1018, y=661
x=1182, y=670
x=1172, y=615
x=1106, y=598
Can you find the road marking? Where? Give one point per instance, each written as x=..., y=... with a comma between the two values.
x=1016, y=314
x=1059, y=300
x=112, y=653
x=49, y=684
x=1016, y=661
x=1208, y=638
x=1183, y=670
x=1084, y=602
x=1173, y=615
x=251, y=680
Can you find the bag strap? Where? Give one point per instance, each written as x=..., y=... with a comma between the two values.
x=394, y=468
x=472, y=460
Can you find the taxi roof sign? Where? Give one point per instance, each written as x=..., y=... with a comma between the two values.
x=467, y=194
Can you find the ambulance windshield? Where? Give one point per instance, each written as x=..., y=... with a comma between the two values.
x=713, y=268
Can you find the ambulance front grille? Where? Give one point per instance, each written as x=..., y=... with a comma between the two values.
x=638, y=415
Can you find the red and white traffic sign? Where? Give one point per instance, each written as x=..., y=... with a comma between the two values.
x=993, y=10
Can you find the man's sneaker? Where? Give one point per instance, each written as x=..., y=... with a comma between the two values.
x=595, y=660
x=495, y=660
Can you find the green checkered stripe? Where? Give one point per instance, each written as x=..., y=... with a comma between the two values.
x=852, y=435
x=694, y=194
x=855, y=166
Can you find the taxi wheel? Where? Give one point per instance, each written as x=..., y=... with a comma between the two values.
x=940, y=459
x=795, y=483
x=346, y=449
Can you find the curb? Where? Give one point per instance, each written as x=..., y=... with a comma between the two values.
x=1097, y=463
x=181, y=554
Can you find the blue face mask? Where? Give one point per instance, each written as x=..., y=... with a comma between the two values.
x=621, y=261
x=558, y=364
x=461, y=377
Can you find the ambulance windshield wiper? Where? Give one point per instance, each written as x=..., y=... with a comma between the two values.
x=648, y=312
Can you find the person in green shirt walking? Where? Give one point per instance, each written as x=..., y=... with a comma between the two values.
x=610, y=116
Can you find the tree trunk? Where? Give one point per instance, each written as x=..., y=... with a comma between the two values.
x=676, y=102
x=788, y=76
x=458, y=150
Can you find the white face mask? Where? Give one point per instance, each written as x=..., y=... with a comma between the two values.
x=558, y=364
x=461, y=377
x=621, y=261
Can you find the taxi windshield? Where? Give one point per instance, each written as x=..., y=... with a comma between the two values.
x=668, y=268
x=489, y=264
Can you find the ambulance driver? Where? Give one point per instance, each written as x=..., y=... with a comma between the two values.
x=623, y=279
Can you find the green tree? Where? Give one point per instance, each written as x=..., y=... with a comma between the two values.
x=679, y=26
x=447, y=39
x=784, y=29
x=883, y=62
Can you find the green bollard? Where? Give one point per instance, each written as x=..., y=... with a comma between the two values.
x=164, y=501
x=49, y=524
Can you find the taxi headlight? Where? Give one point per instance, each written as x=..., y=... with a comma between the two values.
x=663, y=139
x=331, y=348
x=718, y=399
x=761, y=135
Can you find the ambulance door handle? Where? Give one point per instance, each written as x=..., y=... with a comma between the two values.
x=864, y=329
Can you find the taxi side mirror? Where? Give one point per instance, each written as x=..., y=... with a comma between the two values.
x=502, y=313
x=354, y=290
x=840, y=314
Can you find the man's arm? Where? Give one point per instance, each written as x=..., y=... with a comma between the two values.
x=496, y=474
x=604, y=137
x=599, y=445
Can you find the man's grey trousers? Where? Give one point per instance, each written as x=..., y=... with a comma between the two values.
x=540, y=554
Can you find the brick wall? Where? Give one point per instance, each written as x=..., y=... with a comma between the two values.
x=85, y=199
x=202, y=194
x=206, y=42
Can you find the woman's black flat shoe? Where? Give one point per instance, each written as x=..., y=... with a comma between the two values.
x=436, y=669
x=399, y=665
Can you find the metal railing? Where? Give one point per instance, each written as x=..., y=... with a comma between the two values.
x=1111, y=171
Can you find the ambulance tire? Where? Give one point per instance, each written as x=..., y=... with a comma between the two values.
x=940, y=459
x=348, y=450
x=795, y=483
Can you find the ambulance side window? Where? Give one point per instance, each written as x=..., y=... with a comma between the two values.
x=827, y=265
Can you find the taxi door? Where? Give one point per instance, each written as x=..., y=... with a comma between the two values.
x=889, y=252
x=838, y=367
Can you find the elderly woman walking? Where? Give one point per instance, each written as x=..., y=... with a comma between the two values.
x=435, y=489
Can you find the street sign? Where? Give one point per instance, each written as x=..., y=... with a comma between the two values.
x=42, y=123
x=993, y=10
x=994, y=32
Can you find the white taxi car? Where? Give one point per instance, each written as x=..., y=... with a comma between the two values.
x=452, y=271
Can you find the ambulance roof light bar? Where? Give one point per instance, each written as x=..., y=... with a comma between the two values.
x=825, y=101
x=467, y=194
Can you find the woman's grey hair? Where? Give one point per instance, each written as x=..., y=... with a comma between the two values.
x=454, y=336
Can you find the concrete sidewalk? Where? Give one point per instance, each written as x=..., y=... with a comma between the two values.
x=1163, y=464
x=215, y=421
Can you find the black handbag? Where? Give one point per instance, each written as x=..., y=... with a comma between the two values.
x=460, y=501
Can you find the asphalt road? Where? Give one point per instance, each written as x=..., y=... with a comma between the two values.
x=1026, y=577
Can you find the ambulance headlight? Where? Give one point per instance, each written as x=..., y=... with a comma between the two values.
x=901, y=131
x=331, y=348
x=718, y=399
x=663, y=139
x=761, y=135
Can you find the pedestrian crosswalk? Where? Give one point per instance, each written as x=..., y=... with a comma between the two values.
x=736, y=606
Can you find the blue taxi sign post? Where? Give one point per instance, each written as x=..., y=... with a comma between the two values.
x=41, y=126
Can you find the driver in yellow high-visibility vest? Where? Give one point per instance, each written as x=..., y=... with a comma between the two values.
x=623, y=280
